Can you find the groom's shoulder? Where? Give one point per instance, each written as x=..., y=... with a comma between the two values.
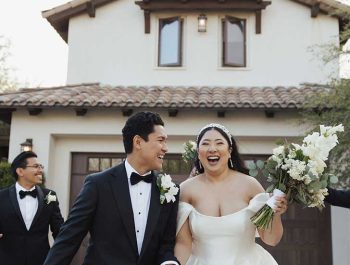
x=5, y=191
x=106, y=174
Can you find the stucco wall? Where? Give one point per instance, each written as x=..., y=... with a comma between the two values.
x=112, y=48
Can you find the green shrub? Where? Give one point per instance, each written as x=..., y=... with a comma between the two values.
x=6, y=178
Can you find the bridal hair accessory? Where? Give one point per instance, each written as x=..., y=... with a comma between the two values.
x=218, y=126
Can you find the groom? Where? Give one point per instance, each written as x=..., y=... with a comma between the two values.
x=121, y=208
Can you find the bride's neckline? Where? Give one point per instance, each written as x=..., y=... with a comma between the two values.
x=210, y=216
x=226, y=215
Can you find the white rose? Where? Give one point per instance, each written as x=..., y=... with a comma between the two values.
x=170, y=194
x=50, y=198
x=166, y=181
x=278, y=150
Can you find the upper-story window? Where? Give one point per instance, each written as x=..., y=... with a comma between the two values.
x=234, y=42
x=170, y=42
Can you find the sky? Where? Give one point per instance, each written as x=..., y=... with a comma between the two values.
x=39, y=55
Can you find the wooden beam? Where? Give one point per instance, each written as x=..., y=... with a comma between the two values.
x=258, y=22
x=269, y=113
x=80, y=112
x=173, y=112
x=34, y=111
x=91, y=8
x=315, y=9
x=204, y=5
x=147, y=15
x=127, y=112
x=221, y=113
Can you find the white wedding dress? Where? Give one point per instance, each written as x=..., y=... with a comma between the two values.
x=225, y=240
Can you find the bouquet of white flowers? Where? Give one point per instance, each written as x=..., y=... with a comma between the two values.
x=298, y=171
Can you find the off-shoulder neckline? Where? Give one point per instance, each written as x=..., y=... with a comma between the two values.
x=226, y=215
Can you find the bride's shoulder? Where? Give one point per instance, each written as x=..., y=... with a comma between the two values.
x=188, y=188
x=252, y=185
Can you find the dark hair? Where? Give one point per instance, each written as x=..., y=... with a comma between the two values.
x=141, y=124
x=20, y=161
x=237, y=163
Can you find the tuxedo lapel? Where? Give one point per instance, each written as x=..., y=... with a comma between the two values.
x=13, y=198
x=153, y=214
x=121, y=193
x=40, y=205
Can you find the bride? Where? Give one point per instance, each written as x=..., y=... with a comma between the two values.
x=214, y=226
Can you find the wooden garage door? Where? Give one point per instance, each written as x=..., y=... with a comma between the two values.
x=307, y=232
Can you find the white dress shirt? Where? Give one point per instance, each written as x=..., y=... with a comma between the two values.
x=28, y=206
x=140, y=195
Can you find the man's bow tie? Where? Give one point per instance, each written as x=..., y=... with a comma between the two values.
x=136, y=178
x=32, y=193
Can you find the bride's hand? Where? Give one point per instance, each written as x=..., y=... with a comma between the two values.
x=281, y=205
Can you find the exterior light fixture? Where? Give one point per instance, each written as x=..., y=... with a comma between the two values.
x=27, y=145
x=202, y=23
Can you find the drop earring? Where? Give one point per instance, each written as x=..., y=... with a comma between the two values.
x=231, y=164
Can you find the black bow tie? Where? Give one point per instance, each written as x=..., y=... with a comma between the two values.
x=32, y=193
x=136, y=178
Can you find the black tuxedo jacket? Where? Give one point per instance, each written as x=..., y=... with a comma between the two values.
x=104, y=209
x=338, y=197
x=20, y=246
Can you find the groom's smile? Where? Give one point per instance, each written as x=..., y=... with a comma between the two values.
x=153, y=150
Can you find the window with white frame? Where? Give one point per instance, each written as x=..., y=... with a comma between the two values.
x=170, y=42
x=233, y=42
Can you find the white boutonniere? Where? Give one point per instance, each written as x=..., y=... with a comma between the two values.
x=50, y=198
x=167, y=188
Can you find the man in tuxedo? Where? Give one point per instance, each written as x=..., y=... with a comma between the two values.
x=338, y=197
x=26, y=213
x=121, y=206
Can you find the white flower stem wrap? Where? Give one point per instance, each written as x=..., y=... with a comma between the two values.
x=272, y=201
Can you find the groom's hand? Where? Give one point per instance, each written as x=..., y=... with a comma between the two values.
x=1, y=235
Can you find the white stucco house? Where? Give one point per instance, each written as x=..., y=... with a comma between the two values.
x=243, y=63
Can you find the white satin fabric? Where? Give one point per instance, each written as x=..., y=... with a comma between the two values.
x=225, y=240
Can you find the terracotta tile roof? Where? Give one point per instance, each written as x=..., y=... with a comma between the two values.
x=59, y=16
x=98, y=96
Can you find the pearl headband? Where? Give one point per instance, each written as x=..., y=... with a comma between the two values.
x=218, y=126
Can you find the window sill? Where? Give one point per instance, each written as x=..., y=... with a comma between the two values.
x=169, y=68
x=228, y=68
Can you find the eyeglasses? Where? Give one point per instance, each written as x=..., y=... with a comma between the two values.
x=36, y=166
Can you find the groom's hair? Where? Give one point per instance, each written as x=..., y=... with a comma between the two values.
x=20, y=161
x=141, y=124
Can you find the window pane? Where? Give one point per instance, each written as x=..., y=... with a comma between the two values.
x=169, y=42
x=116, y=161
x=234, y=54
x=94, y=164
x=105, y=163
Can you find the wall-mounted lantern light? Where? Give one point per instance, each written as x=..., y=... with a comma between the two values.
x=27, y=145
x=202, y=23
